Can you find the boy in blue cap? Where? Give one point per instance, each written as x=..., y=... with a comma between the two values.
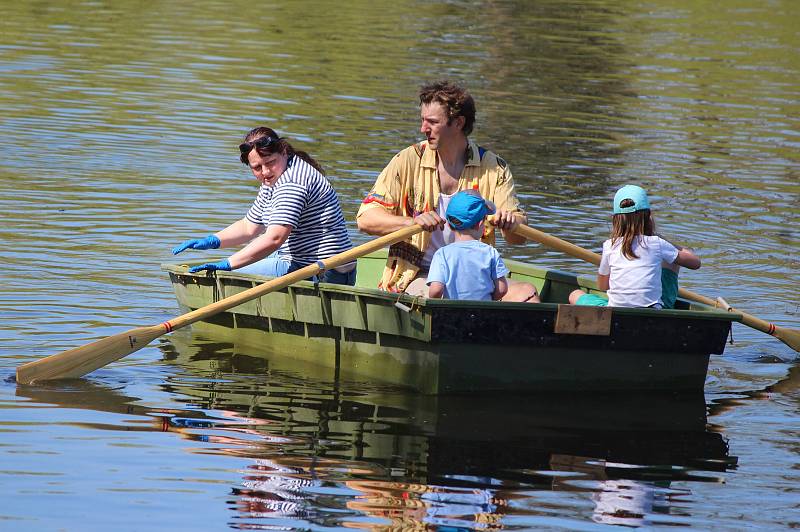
x=638, y=268
x=467, y=268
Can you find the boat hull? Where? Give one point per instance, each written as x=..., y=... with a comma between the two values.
x=439, y=346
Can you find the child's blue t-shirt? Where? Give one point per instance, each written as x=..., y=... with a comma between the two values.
x=468, y=269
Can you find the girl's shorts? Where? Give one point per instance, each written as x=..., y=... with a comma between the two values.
x=592, y=300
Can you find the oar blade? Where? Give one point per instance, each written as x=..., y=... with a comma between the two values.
x=79, y=361
x=85, y=359
x=790, y=337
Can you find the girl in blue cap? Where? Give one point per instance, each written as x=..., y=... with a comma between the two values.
x=638, y=268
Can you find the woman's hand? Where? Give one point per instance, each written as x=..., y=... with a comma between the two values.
x=209, y=242
x=223, y=265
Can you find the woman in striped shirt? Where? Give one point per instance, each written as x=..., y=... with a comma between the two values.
x=294, y=221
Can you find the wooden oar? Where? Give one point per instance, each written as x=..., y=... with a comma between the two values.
x=85, y=359
x=790, y=337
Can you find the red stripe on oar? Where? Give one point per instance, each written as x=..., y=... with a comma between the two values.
x=771, y=329
x=167, y=326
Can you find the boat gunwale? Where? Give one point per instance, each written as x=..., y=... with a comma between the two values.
x=707, y=312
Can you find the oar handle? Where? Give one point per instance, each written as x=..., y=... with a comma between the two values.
x=291, y=278
x=790, y=337
x=556, y=243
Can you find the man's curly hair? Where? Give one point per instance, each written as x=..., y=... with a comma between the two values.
x=455, y=99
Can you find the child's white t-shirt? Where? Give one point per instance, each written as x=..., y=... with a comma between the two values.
x=439, y=237
x=637, y=282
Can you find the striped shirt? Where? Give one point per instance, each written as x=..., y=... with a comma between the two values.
x=303, y=199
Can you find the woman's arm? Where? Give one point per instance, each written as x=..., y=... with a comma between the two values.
x=239, y=232
x=602, y=281
x=261, y=247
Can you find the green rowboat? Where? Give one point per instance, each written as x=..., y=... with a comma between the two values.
x=444, y=346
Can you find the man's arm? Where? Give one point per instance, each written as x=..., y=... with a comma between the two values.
x=507, y=221
x=378, y=221
x=381, y=212
x=509, y=215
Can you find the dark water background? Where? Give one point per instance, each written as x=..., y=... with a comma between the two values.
x=118, y=130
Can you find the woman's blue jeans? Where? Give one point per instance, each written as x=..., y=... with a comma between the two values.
x=274, y=266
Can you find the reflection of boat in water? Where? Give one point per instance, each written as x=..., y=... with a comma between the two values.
x=446, y=346
x=480, y=435
x=474, y=434
x=418, y=460
x=409, y=458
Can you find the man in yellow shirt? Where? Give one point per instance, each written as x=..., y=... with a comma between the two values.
x=417, y=184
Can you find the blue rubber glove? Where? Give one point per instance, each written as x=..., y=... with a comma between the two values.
x=223, y=265
x=209, y=242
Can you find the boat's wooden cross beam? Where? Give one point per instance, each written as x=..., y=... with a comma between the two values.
x=576, y=319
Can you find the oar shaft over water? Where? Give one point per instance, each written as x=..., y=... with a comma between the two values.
x=790, y=337
x=85, y=359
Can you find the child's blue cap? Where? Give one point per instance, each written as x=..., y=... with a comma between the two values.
x=635, y=194
x=467, y=209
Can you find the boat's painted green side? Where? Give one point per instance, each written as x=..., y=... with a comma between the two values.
x=442, y=346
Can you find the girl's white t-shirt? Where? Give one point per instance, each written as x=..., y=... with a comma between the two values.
x=637, y=282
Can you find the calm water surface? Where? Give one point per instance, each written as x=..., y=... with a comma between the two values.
x=118, y=138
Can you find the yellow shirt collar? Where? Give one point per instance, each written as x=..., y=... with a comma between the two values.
x=429, y=155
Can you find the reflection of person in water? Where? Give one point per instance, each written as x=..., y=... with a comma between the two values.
x=275, y=490
x=419, y=506
x=626, y=502
x=617, y=501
